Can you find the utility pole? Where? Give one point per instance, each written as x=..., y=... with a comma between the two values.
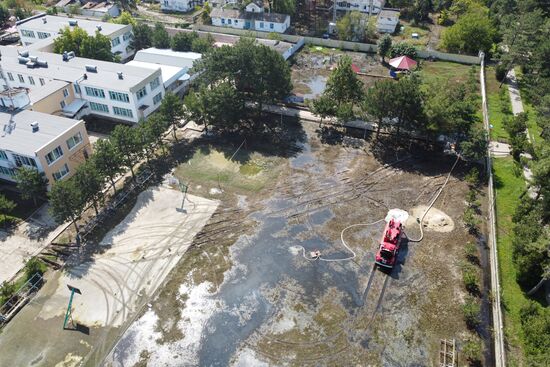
x=69, y=312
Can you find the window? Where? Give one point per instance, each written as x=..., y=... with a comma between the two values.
x=122, y=112
x=31, y=80
x=99, y=107
x=41, y=81
x=61, y=173
x=62, y=104
x=27, y=33
x=155, y=83
x=228, y=21
x=157, y=98
x=77, y=89
x=223, y=20
x=117, y=96
x=270, y=25
x=74, y=140
x=95, y=92
x=236, y=21
x=54, y=155
x=141, y=93
x=43, y=35
x=65, y=93
x=7, y=171
x=23, y=161
x=10, y=76
x=3, y=155
x=115, y=41
x=261, y=24
x=21, y=79
x=126, y=36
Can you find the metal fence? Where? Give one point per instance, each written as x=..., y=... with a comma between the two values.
x=20, y=298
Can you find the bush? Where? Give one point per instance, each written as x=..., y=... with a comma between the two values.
x=472, y=352
x=500, y=72
x=471, y=311
x=472, y=178
x=403, y=49
x=470, y=219
x=33, y=266
x=7, y=290
x=470, y=278
x=470, y=251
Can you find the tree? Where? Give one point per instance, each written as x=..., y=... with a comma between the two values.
x=70, y=40
x=32, y=184
x=160, y=37
x=384, y=46
x=6, y=207
x=402, y=49
x=379, y=102
x=66, y=202
x=421, y=10
x=323, y=107
x=142, y=37
x=351, y=27
x=22, y=13
x=183, y=40
x=127, y=141
x=202, y=44
x=125, y=18
x=283, y=6
x=171, y=110
x=4, y=16
x=343, y=85
x=97, y=47
x=407, y=107
x=475, y=145
x=107, y=160
x=205, y=16
x=471, y=33
x=90, y=182
x=516, y=128
x=126, y=4
x=155, y=127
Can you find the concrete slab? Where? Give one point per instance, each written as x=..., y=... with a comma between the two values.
x=133, y=261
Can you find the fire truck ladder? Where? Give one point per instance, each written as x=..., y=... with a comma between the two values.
x=447, y=353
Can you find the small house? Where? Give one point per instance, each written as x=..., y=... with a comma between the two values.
x=387, y=20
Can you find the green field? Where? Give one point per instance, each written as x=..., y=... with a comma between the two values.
x=442, y=71
x=498, y=107
x=508, y=190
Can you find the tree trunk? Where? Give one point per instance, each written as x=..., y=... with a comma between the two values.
x=537, y=287
x=94, y=202
x=113, y=184
x=174, y=134
x=378, y=129
x=75, y=224
x=132, y=172
x=34, y=200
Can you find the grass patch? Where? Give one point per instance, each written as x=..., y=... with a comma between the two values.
x=24, y=208
x=406, y=35
x=499, y=106
x=320, y=50
x=535, y=130
x=441, y=71
x=508, y=191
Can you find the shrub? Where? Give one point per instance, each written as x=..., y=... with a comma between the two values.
x=7, y=290
x=470, y=219
x=500, y=72
x=33, y=266
x=403, y=49
x=470, y=278
x=472, y=352
x=471, y=310
x=472, y=178
x=470, y=251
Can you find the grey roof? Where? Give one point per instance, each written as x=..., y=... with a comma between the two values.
x=389, y=13
x=55, y=23
x=75, y=68
x=237, y=14
x=23, y=140
x=38, y=93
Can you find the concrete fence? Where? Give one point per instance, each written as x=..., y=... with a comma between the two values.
x=344, y=45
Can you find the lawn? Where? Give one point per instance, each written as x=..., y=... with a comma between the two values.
x=441, y=71
x=508, y=190
x=534, y=130
x=498, y=104
x=406, y=35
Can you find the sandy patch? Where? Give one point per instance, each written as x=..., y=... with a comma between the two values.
x=139, y=254
x=435, y=220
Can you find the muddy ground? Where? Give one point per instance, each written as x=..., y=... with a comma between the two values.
x=247, y=295
x=312, y=66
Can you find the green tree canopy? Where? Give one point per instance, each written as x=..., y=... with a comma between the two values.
x=171, y=110
x=97, y=47
x=125, y=18
x=284, y=6
x=183, y=40
x=32, y=184
x=384, y=46
x=343, y=85
x=90, y=182
x=4, y=16
x=107, y=160
x=379, y=102
x=66, y=201
x=142, y=37
x=351, y=27
x=6, y=207
x=402, y=49
x=160, y=37
x=471, y=33
x=130, y=145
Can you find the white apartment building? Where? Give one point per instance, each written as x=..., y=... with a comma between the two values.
x=111, y=90
x=44, y=26
x=50, y=144
x=363, y=6
x=175, y=66
x=254, y=18
x=179, y=5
